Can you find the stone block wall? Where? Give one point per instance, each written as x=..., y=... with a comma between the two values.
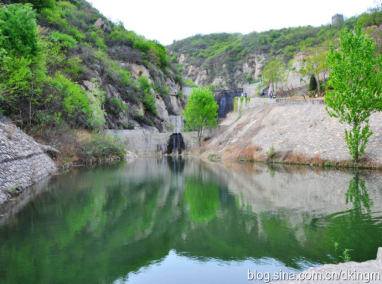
x=253, y=103
x=23, y=162
x=149, y=143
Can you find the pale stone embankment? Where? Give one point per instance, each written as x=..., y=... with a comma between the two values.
x=301, y=129
x=343, y=273
x=23, y=161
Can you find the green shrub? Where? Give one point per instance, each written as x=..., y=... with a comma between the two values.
x=119, y=77
x=312, y=83
x=66, y=41
x=142, y=119
x=102, y=146
x=53, y=17
x=18, y=29
x=41, y=4
x=163, y=91
x=271, y=153
x=115, y=105
x=73, y=68
x=148, y=99
x=77, y=107
x=235, y=101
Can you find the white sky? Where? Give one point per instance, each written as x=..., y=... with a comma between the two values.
x=168, y=20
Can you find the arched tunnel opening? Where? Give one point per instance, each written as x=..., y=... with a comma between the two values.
x=175, y=144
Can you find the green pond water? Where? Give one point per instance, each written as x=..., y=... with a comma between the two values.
x=187, y=221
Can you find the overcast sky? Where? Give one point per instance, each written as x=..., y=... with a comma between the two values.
x=168, y=20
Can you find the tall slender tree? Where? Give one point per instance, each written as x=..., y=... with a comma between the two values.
x=356, y=81
x=201, y=112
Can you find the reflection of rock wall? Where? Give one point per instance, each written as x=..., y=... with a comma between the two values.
x=301, y=189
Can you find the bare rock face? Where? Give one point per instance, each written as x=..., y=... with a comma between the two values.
x=201, y=78
x=161, y=109
x=260, y=63
x=100, y=24
x=253, y=64
x=173, y=105
x=219, y=81
x=90, y=86
x=111, y=91
x=92, y=93
x=182, y=58
x=136, y=70
x=172, y=87
x=249, y=67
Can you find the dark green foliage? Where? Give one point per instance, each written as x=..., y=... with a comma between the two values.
x=142, y=119
x=148, y=99
x=18, y=27
x=37, y=4
x=312, y=83
x=102, y=146
x=41, y=4
x=115, y=105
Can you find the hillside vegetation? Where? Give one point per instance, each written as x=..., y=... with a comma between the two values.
x=64, y=66
x=233, y=57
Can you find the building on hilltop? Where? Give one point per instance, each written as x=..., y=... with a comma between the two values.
x=337, y=19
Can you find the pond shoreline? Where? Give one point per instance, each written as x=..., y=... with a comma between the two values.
x=347, y=272
x=291, y=134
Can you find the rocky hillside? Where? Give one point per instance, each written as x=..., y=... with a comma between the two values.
x=64, y=62
x=231, y=60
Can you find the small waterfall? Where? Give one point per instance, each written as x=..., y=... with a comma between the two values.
x=177, y=122
x=176, y=144
x=178, y=138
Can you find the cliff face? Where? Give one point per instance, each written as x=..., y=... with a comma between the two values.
x=92, y=73
x=137, y=117
x=23, y=161
x=221, y=73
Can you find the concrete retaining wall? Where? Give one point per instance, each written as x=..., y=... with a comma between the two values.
x=148, y=143
x=258, y=102
x=22, y=161
x=253, y=103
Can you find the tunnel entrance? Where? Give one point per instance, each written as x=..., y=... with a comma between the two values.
x=175, y=144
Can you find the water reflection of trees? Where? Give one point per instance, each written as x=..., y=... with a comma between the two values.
x=202, y=198
x=357, y=194
x=355, y=228
x=106, y=222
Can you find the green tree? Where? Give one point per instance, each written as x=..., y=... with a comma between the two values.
x=273, y=72
x=200, y=112
x=316, y=65
x=312, y=83
x=22, y=67
x=355, y=79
